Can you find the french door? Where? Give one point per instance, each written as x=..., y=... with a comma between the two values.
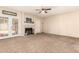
x=8, y=26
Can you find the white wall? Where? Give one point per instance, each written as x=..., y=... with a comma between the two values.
x=65, y=24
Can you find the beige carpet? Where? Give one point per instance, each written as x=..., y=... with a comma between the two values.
x=40, y=43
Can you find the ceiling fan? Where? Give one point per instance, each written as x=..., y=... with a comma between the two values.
x=45, y=10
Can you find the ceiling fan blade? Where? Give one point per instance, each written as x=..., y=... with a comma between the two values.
x=45, y=11
x=49, y=9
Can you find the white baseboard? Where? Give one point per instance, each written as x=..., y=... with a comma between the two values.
x=63, y=35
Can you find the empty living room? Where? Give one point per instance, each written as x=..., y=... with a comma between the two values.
x=39, y=29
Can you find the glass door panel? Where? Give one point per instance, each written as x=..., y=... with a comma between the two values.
x=14, y=26
x=3, y=26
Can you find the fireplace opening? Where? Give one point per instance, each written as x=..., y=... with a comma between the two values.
x=29, y=31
